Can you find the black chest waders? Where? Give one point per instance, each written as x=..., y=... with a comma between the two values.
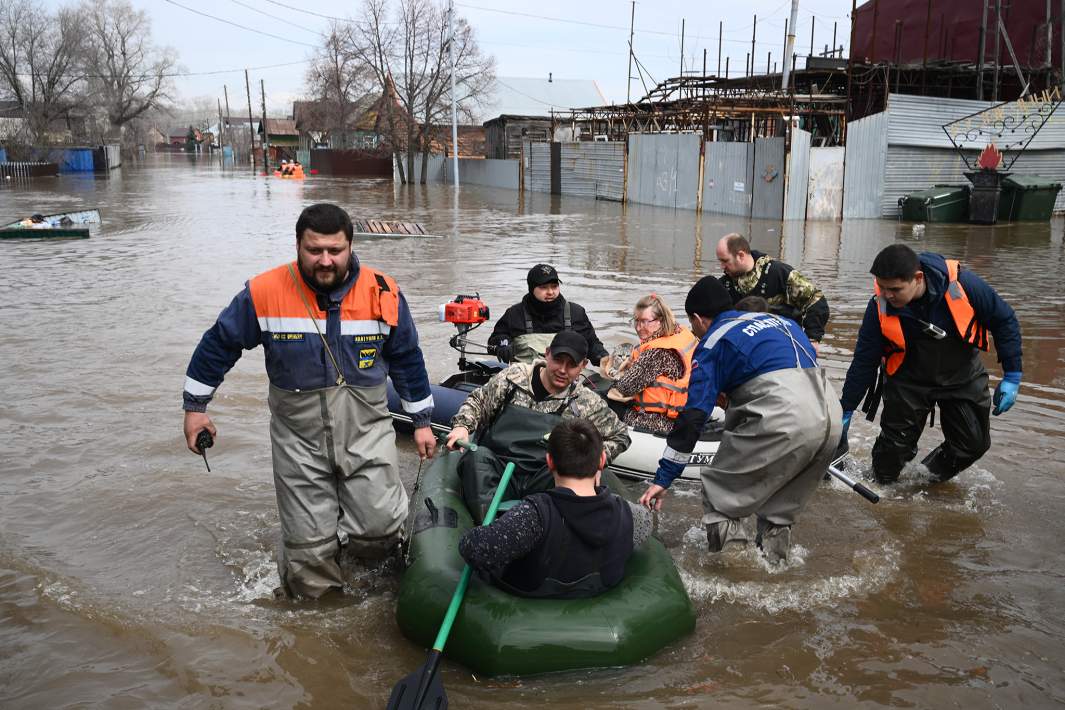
x=519, y=435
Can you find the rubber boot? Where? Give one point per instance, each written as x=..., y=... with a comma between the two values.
x=724, y=532
x=942, y=464
x=774, y=541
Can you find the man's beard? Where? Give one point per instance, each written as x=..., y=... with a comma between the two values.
x=333, y=276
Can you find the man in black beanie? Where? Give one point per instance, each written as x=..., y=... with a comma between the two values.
x=781, y=427
x=526, y=329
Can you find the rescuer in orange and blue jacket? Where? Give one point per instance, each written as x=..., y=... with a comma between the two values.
x=925, y=326
x=332, y=330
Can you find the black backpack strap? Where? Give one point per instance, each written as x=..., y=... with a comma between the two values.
x=567, y=317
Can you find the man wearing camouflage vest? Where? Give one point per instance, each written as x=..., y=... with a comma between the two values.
x=514, y=411
x=789, y=293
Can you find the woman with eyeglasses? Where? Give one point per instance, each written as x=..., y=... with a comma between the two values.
x=655, y=377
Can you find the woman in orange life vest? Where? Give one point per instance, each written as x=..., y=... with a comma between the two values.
x=655, y=378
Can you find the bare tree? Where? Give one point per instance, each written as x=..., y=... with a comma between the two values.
x=374, y=44
x=337, y=79
x=416, y=20
x=408, y=58
x=39, y=62
x=128, y=74
x=474, y=76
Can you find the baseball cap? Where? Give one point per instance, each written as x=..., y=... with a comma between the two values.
x=541, y=274
x=570, y=343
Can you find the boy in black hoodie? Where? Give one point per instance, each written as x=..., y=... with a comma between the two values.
x=569, y=542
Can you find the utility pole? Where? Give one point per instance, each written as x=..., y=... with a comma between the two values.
x=454, y=108
x=1050, y=40
x=220, y=135
x=720, y=30
x=998, y=47
x=980, y=53
x=813, y=24
x=628, y=76
x=251, y=122
x=682, y=46
x=754, y=33
x=266, y=134
x=789, y=44
x=225, y=90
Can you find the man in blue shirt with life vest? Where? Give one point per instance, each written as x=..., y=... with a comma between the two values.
x=925, y=325
x=782, y=424
x=332, y=330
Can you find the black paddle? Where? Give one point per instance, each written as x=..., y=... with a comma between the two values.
x=423, y=688
x=841, y=453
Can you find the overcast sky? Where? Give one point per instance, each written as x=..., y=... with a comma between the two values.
x=572, y=40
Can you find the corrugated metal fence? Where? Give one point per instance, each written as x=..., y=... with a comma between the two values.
x=537, y=166
x=798, y=175
x=863, y=177
x=594, y=170
x=663, y=169
x=27, y=169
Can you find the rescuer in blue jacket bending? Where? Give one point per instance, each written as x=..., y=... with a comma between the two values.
x=925, y=325
x=332, y=330
x=782, y=424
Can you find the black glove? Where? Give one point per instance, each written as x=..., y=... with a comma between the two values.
x=504, y=352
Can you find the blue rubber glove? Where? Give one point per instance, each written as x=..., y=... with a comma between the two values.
x=1006, y=392
x=846, y=423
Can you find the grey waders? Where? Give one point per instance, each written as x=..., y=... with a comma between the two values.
x=530, y=346
x=781, y=431
x=336, y=474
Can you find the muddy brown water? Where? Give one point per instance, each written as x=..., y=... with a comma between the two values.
x=130, y=577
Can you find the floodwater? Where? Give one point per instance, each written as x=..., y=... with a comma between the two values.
x=130, y=577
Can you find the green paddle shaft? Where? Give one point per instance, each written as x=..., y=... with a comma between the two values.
x=460, y=591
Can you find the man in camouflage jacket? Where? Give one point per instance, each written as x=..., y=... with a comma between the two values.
x=789, y=293
x=515, y=410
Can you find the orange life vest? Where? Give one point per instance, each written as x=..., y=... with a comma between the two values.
x=971, y=330
x=666, y=395
x=373, y=298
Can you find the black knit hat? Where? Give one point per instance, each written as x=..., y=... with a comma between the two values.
x=707, y=298
x=541, y=274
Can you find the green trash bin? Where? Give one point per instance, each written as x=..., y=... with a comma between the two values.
x=1027, y=198
x=941, y=203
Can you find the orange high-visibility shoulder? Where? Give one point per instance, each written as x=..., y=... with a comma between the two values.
x=971, y=330
x=373, y=296
x=891, y=327
x=666, y=395
x=275, y=294
x=961, y=311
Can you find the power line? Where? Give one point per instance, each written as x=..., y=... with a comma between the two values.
x=243, y=27
x=173, y=75
x=560, y=19
x=309, y=12
x=275, y=17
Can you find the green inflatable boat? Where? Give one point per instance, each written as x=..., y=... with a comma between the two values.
x=496, y=633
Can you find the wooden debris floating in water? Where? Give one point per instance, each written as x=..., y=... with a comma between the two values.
x=371, y=226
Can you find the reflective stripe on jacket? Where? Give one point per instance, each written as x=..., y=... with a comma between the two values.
x=666, y=395
x=369, y=310
x=961, y=310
